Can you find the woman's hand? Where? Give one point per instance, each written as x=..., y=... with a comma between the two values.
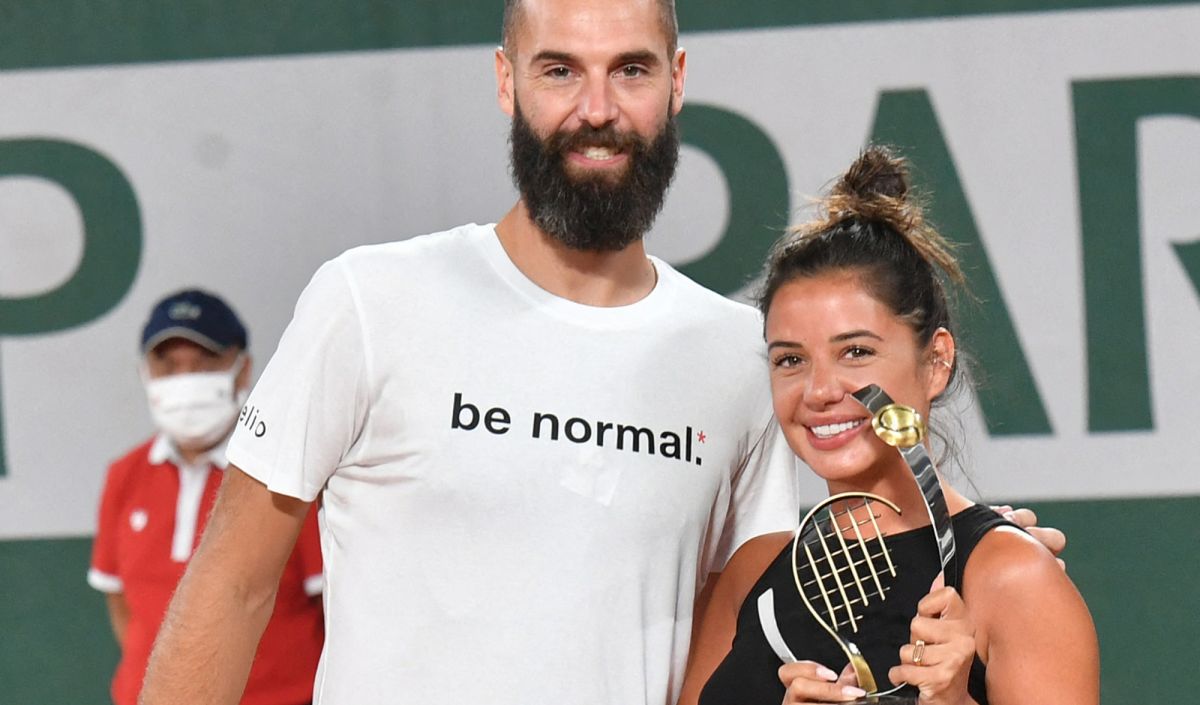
x=810, y=682
x=938, y=661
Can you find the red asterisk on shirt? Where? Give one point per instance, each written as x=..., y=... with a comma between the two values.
x=700, y=436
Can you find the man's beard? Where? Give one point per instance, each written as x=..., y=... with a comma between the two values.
x=593, y=212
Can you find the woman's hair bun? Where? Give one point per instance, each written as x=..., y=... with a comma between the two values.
x=876, y=172
x=877, y=188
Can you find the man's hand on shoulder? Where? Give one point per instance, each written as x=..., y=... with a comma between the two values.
x=1053, y=539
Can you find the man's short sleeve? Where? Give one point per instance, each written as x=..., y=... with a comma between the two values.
x=103, y=573
x=764, y=494
x=308, y=407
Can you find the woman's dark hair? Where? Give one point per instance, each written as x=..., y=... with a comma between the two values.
x=870, y=224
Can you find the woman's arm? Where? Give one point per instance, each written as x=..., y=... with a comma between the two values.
x=717, y=609
x=1034, y=631
x=712, y=633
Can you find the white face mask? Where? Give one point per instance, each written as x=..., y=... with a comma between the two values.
x=196, y=409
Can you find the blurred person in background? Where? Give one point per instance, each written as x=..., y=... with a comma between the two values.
x=157, y=498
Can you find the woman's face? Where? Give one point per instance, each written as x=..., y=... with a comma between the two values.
x=828, y=337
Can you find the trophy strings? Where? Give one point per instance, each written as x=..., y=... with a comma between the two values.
x=840, y=564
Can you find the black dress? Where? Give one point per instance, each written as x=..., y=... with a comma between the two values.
x=748, y=675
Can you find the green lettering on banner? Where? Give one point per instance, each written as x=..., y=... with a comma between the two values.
x=1189, y=255
x=112, y=240
x=1007, y=392
x=1106, y=117
x=759, y=203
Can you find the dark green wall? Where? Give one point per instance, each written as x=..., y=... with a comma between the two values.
x=1135, y=563
x=56, y=645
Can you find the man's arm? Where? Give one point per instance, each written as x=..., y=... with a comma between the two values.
x=118, y=614
x=207, y=642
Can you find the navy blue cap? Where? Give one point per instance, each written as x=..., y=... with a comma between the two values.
x=195, y=315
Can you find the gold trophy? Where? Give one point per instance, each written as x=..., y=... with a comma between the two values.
x=840, y=560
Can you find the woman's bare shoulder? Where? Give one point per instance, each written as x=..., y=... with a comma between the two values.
x=757, y=553
x=1014, y=587
x=1007, y=558
x=1032, y=625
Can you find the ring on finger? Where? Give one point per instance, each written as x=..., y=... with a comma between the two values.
x=918, y=652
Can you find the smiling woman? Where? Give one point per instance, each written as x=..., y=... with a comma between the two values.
x=853, y=299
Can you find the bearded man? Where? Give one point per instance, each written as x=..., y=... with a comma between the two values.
x=531, y=442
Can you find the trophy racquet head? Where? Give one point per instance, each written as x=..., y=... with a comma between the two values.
x=841, y=563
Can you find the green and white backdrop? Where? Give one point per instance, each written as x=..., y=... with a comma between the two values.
x=148, y=145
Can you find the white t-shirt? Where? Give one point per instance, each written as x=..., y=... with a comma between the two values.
x=520, y=495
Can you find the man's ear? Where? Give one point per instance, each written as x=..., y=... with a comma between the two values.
x=242, y=381
x=678, y=77
x=504, y=82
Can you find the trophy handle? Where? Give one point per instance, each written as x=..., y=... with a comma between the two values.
x=903, y=428
x=866, y=680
